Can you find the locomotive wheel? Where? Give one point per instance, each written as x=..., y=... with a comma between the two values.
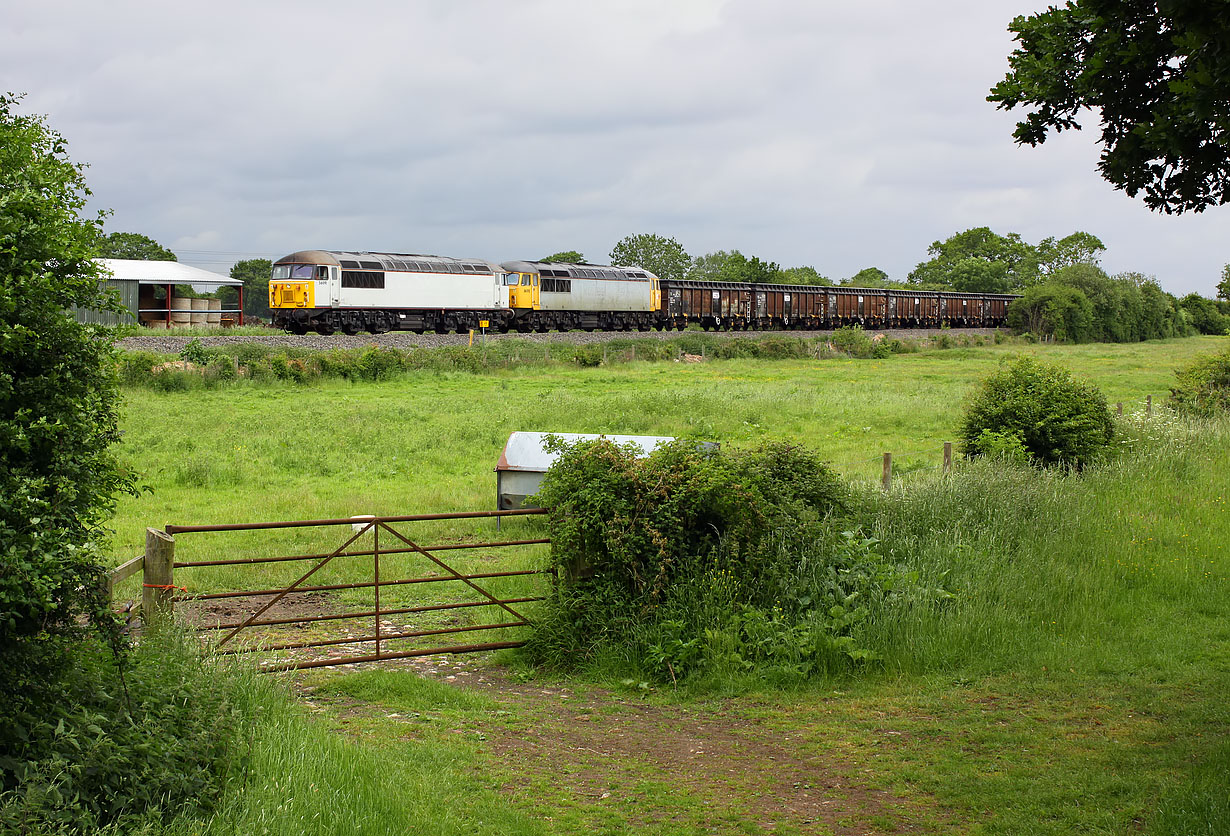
x=325, y=330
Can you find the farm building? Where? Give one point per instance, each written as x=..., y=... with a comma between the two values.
x=148, y=290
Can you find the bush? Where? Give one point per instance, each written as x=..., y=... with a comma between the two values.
x=1055, y=419
x=1203, y=388
x=58, y=418
x=691, y=563
x=853, y=340
x=159, y=733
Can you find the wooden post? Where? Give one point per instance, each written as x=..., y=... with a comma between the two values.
x=1119, y=409
x=947, y=457
x=887, y=480
x=159, y=576
x=1148, y=405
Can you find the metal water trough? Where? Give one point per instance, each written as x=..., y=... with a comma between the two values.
x=525, y=459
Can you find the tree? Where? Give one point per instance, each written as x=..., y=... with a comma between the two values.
x=1053, y=310
x=1159, y=75
x=1223, y=287
x=1008, y=262
x=566, y=257
x=664, y=257
x=734, y=266
x=804, y=275
x=1204, y=315
x=58, y=417
x=255, y=273
x=720, y=266
x=133, y=245
x=868, y=277
x=1077, y=248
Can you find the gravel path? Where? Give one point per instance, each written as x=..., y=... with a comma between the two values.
x=168, y=344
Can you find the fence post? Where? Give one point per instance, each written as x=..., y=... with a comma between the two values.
x=158, y=576
x=947, y=457
x=1119, y=409
x=887, y=481
x=1148, y=405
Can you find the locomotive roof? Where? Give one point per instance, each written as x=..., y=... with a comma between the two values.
x=578, y=270
x=387, y=261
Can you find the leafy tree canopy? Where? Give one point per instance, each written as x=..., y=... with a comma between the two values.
x=868, y=277
x=133, y=245
x=803, y=275
x=664, y=257
x=1006, y=261
x=980, y=260
x=734, y=266
x=1077, y=248
x=58, y=415
x=255, y=273
x=1223, y=287
x=566, y=257
x=1157, y=72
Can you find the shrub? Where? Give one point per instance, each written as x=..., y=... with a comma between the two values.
x=691, y=563
x=853, y=340
x=58, y=419
x=162, y=734
x=1057, y=420
x=1203, y=388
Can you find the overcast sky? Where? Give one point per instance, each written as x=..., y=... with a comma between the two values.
x=836, y=135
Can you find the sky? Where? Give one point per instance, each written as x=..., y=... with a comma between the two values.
x=835, y=135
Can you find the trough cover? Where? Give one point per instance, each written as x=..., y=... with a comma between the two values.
x=526, y=451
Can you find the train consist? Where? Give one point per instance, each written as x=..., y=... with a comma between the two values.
x=327, y=291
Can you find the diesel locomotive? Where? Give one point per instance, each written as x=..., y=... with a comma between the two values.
x=327, y=291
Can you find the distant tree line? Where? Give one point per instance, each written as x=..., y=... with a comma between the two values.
x=1065, y=294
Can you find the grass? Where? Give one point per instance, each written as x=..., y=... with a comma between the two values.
x=1075, y=684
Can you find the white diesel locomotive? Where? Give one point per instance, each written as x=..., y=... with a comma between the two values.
x=328, y=291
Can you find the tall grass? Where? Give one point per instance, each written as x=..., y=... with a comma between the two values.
x=1063, y=571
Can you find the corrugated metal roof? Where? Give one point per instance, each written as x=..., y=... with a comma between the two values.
x=527, y=450
x=162, y=272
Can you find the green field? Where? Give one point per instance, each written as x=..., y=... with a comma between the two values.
x=1077, y=683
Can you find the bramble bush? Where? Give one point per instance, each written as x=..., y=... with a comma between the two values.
x=1038, y=410
x=691, y=563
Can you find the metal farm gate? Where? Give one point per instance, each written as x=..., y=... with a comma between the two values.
x=269, y=620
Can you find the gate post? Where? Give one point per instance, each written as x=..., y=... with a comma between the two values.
x=158, y=577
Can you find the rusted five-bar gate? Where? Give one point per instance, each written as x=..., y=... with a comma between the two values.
x=258, y=619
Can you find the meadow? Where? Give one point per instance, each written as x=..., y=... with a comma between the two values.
x=1075, y=682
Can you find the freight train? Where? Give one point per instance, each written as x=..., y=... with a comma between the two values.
x=327, y=291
